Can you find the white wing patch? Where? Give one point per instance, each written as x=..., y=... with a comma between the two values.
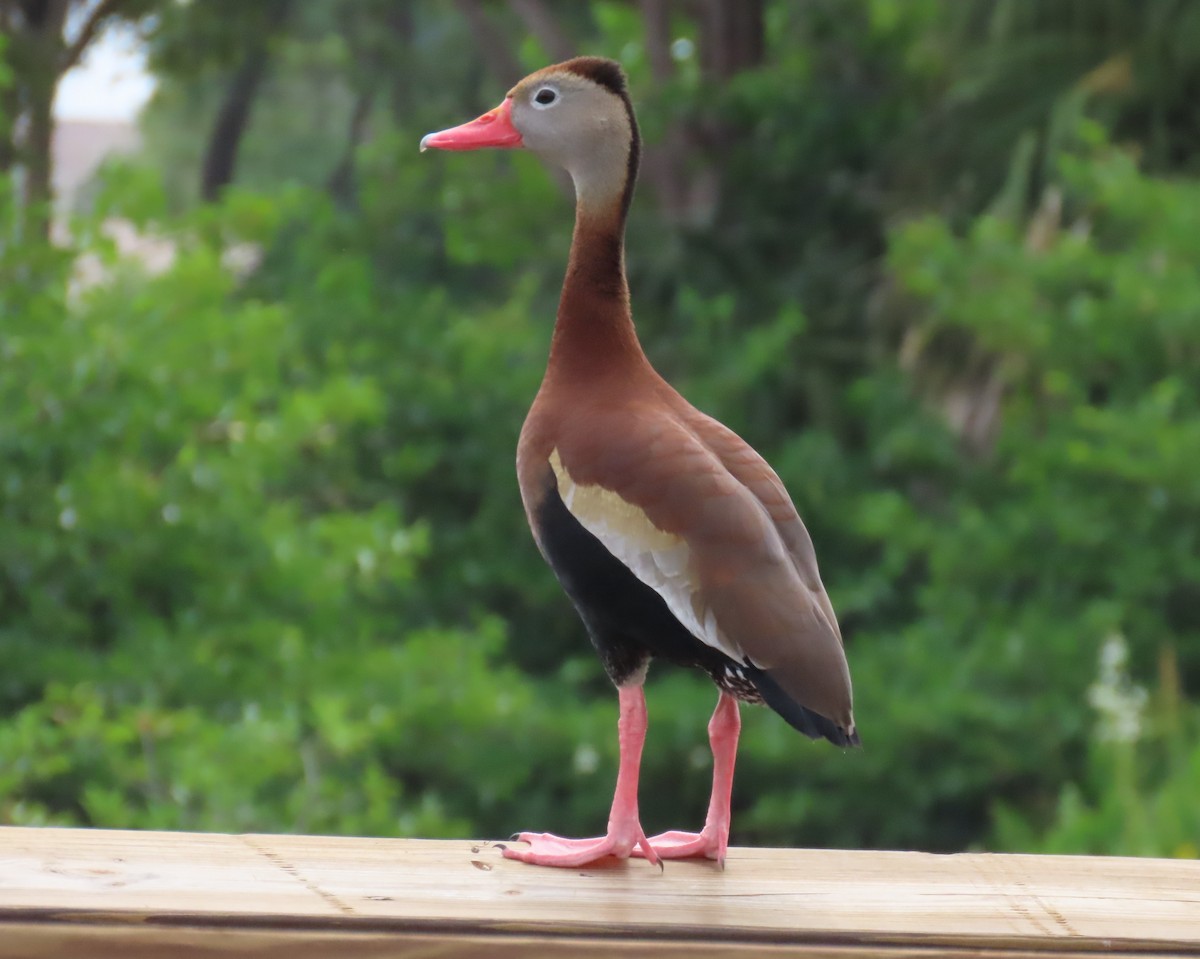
x=659, y=559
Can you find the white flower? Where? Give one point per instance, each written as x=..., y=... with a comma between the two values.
x=1115, y=697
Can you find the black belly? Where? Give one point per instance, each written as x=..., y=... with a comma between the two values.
x=629, y=623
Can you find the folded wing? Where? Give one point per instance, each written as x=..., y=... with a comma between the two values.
x=702, y=520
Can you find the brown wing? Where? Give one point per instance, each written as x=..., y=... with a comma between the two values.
x=685, y=511
x=756, y=474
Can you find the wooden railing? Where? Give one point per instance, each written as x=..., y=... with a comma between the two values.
x=134, y=895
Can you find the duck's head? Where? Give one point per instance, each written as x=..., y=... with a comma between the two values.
x=576, y=115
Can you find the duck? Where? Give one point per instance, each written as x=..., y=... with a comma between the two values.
x=671, y=536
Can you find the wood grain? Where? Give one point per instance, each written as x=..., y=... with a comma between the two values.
x=67, y=892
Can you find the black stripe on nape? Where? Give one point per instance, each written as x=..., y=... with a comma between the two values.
x=607, y=73
x=635, y=154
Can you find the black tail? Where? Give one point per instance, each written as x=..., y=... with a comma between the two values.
x=813, y=725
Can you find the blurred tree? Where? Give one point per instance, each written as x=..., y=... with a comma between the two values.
x=44, y=39
x=221, y=155
x=1020, y=71
x=190, y=39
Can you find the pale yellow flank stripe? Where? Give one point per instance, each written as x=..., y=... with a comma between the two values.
x=597, y=506
x=661, y=560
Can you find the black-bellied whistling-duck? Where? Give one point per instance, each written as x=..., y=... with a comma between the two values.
x=672, y=537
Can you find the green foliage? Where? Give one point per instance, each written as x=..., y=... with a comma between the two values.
x=1095, y=340
x=200, y=609
x=1085, y=518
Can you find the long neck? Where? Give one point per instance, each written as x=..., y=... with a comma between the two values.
x=594, y=331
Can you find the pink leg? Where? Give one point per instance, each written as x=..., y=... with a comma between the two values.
x=625, y=833
x=712, y=842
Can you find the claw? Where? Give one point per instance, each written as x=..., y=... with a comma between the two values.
x=686, y=845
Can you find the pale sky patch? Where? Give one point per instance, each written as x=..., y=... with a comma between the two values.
x=110, y=84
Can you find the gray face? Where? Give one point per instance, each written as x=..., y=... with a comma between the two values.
x=574, y=123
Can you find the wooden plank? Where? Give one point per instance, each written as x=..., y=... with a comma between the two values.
x=90, y=892
x=43, y=941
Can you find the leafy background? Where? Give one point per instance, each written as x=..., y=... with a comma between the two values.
x=263, y=564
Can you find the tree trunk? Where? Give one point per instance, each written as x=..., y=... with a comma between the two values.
x=541, y=22
x=732, y=37
x=39, y=154
x=401, y=29
x=9, y=106
x=665, y=164
x=341, y=183
x=656, y=21
x=490, y=41
x=39, y=53
x=35, y=48
x=10, y=101
x=220, y=159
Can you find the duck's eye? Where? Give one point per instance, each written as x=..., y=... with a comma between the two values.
x=545, y=96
